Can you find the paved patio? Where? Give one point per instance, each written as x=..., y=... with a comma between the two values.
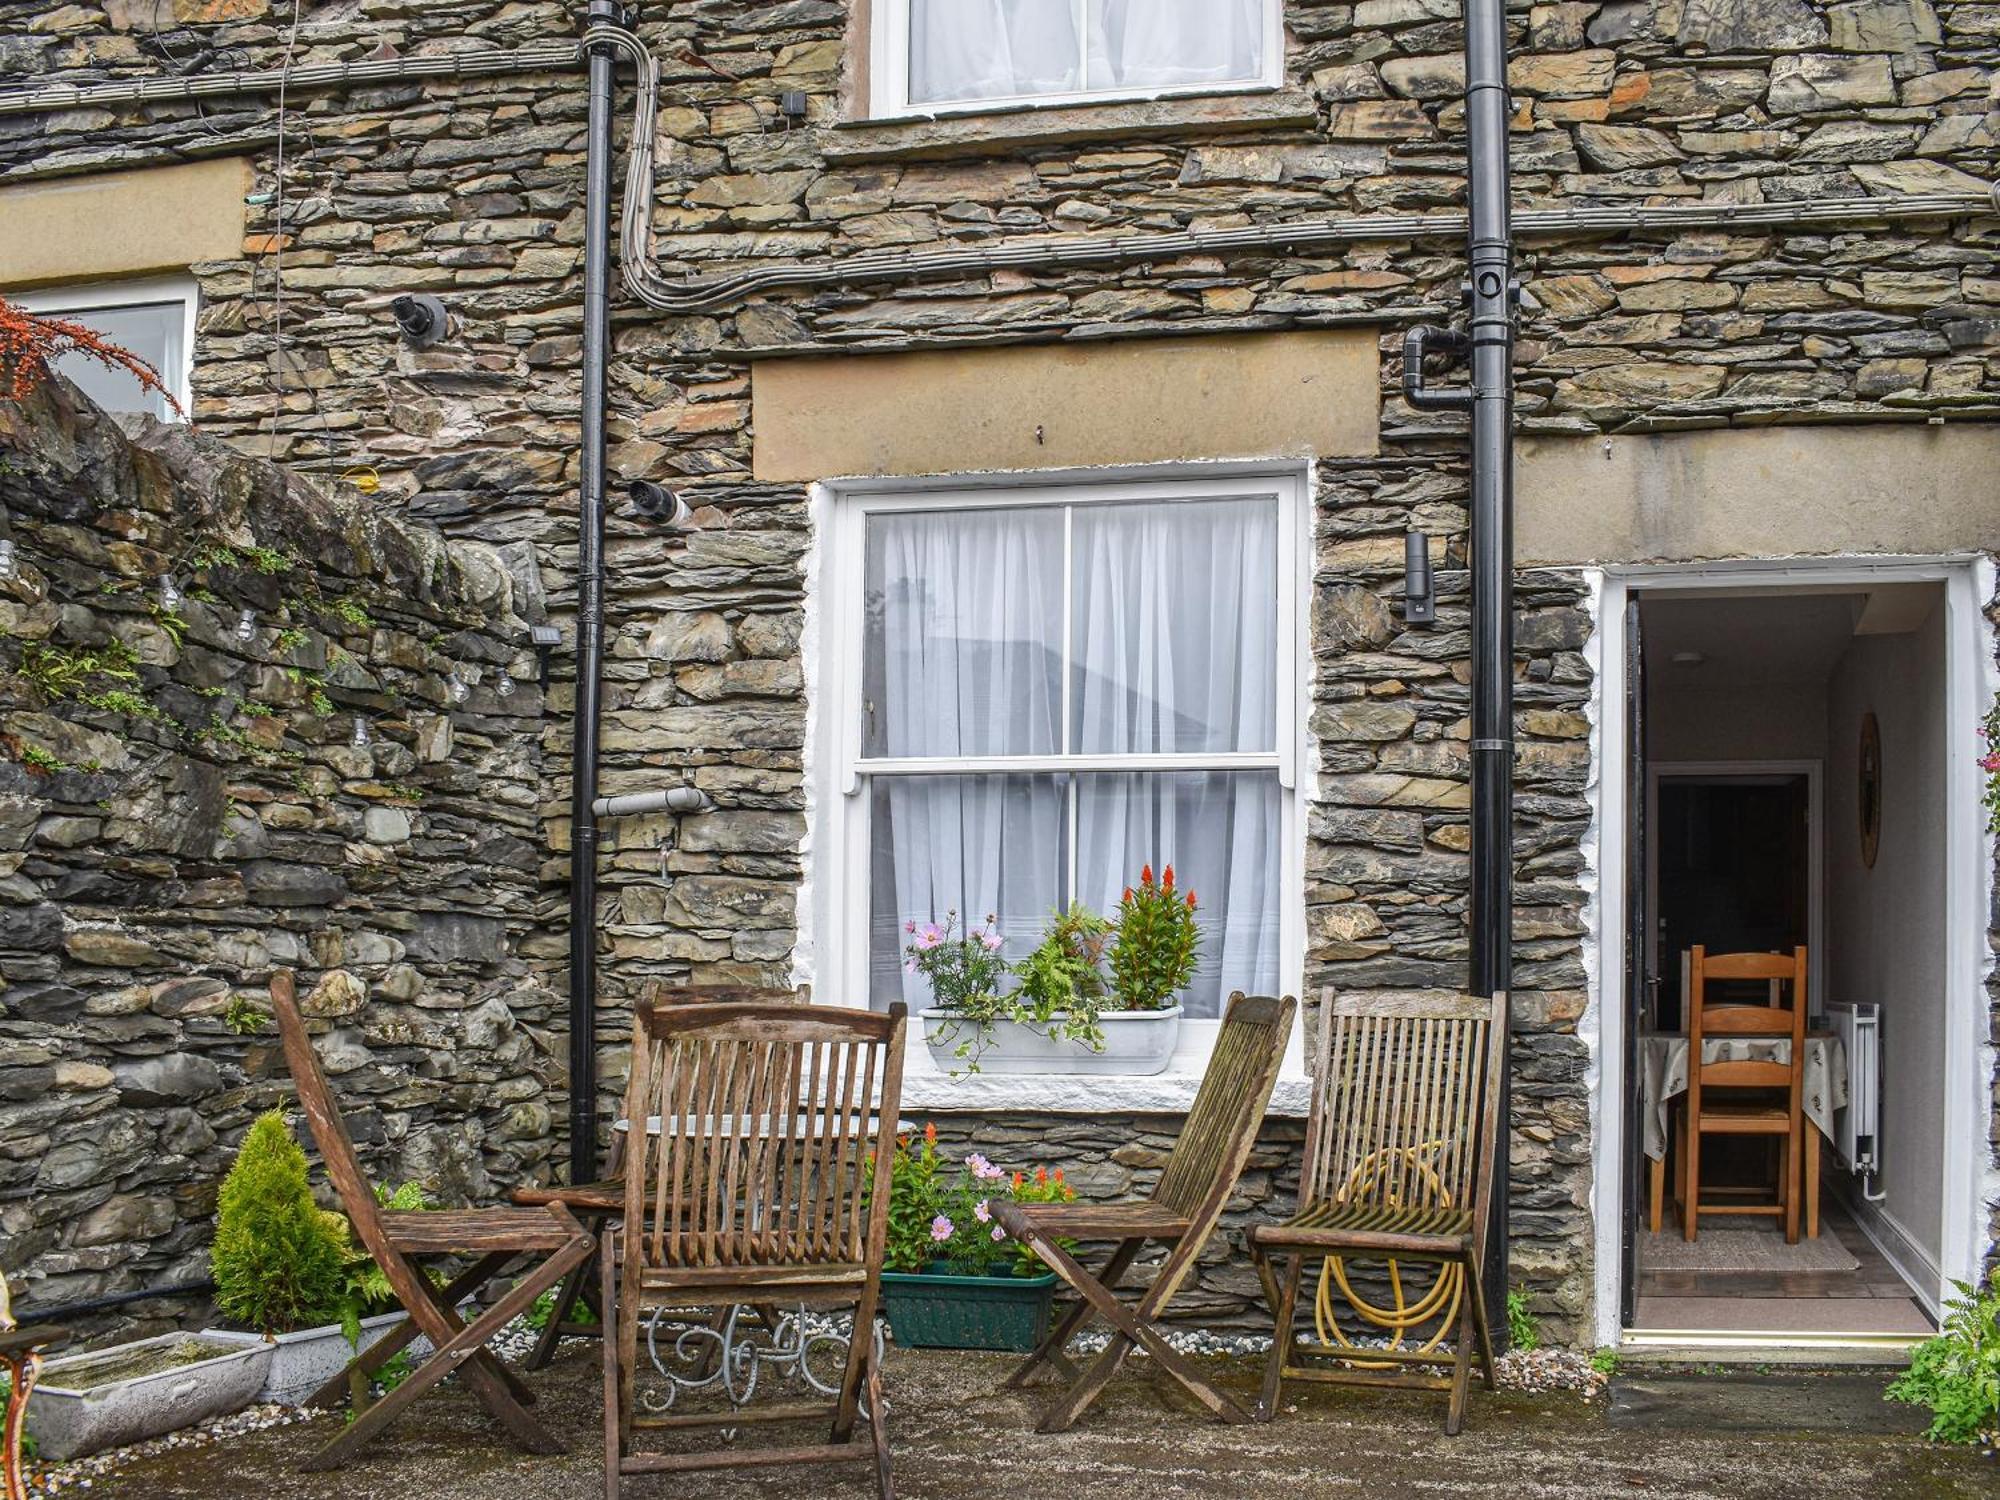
x=958, y=1436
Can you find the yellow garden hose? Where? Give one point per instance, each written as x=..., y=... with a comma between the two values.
x=1441, y=1301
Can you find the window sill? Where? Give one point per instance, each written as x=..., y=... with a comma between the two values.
x=927, y=1091
x=1010, y=128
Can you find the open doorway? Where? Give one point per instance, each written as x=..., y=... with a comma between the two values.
x=1786, y=776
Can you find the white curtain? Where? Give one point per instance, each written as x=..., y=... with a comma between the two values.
x=1173, y=649
x=993, y=49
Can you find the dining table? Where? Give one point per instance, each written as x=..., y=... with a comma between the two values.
x=1663, y=1076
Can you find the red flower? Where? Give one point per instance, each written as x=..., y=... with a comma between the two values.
x=1167, y=878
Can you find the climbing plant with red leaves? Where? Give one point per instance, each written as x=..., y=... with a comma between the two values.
x=29, y=342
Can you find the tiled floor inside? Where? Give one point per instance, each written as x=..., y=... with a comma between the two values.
x=1870, y=1299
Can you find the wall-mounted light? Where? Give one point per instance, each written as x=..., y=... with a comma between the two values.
x=421, y=318
x=1419, y=593
x=246, y=624
x=170, y=593
x=658, y=504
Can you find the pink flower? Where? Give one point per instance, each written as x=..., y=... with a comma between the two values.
x=940, y=1229
x=981, y=1212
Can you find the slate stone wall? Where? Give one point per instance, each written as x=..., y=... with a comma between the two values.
x=187, y=802
x=472, y=191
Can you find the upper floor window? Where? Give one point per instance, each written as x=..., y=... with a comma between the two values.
x=153, y=319
x=931, y=55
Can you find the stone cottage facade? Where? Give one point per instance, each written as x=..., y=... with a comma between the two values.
x=1778, y=279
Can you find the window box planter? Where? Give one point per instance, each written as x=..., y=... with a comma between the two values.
x=1136, y=1042
x=86, y=1403
x=938, y=1309
x=303, y=1361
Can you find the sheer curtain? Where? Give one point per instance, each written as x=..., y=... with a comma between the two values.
x=1173, y=649
x=992, y=49
x=1175, y=626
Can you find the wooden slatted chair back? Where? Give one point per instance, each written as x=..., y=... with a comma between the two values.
x=1229, y=1105
x=323, y=1118
x=1405, y=1100
x=1784, y=976
x=754, y=1132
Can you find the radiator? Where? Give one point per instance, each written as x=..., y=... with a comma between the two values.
x=1859, y=1027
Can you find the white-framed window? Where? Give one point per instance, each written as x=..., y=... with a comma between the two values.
x=942, y=56
x=153, y=319
x=1027, y=691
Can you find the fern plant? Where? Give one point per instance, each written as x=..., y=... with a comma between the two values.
x=1957, y=1373
x=278, y=1258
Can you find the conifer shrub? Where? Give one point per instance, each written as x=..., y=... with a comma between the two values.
x=279, y=1260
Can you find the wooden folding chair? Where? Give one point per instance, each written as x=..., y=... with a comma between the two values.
x=596, y=1204
x=493, y=1237
x=759, y=1148
x=1778, y=1112
x=1194, y=1186
x=1397, y=1166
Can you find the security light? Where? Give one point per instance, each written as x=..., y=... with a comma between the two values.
x=421, y=317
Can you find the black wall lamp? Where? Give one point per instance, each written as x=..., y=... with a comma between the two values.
x=1419, y=592
x=421, y=318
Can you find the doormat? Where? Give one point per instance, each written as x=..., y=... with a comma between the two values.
x=1736, y=1249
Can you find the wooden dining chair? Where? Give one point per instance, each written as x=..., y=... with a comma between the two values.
x=491, y=1238
x=597, y=1203
x=758, y=1135
x=1745, y=1096
x=1193, y=1188
x=1398, y=1165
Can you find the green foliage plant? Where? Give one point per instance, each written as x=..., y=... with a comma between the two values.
x=1957, y=1373
x=1523, y=1332
x=1153, y=954
x=278, y=1258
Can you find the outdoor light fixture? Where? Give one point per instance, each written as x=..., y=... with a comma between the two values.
x=421, y=317
x=1419, y=595
x=246, y=624
x=655, y=502
x=8, y=565
x=170, y=593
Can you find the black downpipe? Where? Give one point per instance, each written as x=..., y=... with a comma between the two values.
x=1490, y=251
x=590, y=609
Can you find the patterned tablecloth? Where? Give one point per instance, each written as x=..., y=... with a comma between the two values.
x=1663, y=1073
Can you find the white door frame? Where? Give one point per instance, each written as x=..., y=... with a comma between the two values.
x=1715, y=771
x=1971, y=683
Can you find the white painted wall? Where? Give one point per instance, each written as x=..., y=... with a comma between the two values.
x=1886, y=926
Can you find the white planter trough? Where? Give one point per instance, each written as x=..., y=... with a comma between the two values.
x=1136, y=1042
x=303, y=1361
x=85, y=1403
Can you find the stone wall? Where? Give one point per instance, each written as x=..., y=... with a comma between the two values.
x=188, y=801
x=472, y=189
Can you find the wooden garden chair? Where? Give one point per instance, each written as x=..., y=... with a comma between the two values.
x=596, y=1204
x=1397, y=1166
x=755, y=1134
x=492, y=1238
x=1186, y=1202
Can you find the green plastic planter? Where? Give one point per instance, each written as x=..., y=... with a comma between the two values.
x=937, y=1310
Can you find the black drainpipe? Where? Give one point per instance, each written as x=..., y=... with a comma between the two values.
x=590, y=610
x=1490, y=292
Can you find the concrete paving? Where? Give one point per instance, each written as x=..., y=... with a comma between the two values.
x=959, y=1437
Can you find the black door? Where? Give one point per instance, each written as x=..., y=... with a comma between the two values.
x=1635, y=954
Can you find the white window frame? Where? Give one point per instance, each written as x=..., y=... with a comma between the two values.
x=889, y=73
x=59, y=301
x=833, y=947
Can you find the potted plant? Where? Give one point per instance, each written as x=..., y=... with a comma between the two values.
x=952, y=1278
x=1063, y=1016
x=290, y=1270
